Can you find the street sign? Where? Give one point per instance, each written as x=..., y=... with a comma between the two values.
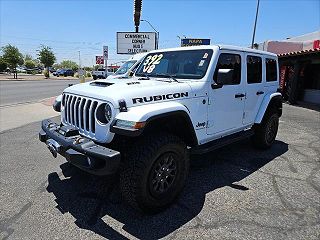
x=132, y=42
x=105, y=52
x=99, y=60
x=194, y=42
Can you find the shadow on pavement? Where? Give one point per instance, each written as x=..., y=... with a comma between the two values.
x=89, y=198
x=310, y=106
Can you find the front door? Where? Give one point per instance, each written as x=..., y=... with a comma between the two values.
x=226, y=105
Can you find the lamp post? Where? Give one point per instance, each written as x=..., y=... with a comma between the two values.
x=181, y=38
x=255, y=24
x=157, y=33
x=79, y=59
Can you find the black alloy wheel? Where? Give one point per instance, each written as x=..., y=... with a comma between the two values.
x=271, y=130
x=163, y=174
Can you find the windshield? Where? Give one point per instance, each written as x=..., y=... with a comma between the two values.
x=188, y=64
x=125, y=67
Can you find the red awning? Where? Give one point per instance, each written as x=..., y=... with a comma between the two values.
x=303, y=52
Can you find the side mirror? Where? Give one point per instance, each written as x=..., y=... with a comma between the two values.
x=131, y=73
x=216, y=85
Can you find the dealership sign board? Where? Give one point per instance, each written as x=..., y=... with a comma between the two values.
x=132, y=42
x=194, y=42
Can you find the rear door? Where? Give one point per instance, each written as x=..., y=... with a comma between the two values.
x=254, y=85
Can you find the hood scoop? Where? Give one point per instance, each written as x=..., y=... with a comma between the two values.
x=101, y=84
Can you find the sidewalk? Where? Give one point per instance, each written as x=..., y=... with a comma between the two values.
x=21, y=114
x=32, y=77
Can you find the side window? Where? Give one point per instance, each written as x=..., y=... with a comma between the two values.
x=228, y=69
x=271, y=70
x=254, y=69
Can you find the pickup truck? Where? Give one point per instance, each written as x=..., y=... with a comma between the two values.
x=101, y=73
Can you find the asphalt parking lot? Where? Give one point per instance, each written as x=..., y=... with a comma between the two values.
x=234, y=193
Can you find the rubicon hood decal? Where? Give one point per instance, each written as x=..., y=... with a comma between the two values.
x=159, y=97
x=135, y=92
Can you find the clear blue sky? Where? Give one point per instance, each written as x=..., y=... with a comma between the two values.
x=70, y=26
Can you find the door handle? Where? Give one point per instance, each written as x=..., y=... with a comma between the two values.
x=260, y=92
x=239, y=95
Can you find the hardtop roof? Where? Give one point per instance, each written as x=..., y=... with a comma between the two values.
x=217, y=47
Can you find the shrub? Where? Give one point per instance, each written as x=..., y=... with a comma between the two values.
x=46, y=73
x=33, y=72
x=88, y=74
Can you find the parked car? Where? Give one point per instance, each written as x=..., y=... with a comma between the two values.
x=21, y=69
x=181, y=101
x=56, y=72
x=64, y=73
x=101, y=73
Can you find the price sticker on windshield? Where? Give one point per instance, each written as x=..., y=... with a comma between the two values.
x=151, y=62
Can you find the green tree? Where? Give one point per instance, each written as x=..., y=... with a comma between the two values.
x=28, y=57
x=88, y=69
x=3, y=64
x=69, y=64
x=46, y=57
x=12, y=57
x=96, y=67
x=30, y=64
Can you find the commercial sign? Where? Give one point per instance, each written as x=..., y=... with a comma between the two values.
x=99, y=60
x=132, y=42
x=194, y=42
x=105, y=52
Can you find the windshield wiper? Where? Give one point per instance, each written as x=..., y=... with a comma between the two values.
x=172, y=76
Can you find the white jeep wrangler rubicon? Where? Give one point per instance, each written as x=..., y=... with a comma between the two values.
x=180, y=101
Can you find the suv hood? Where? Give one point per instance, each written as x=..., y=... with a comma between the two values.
x=135, y=92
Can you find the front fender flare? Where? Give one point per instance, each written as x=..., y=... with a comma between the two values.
x=148, y=113
x=144, y=112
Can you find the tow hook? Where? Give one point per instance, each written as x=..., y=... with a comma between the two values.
x=53, y=147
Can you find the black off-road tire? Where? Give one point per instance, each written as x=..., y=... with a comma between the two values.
x=141, y=161
x=94, y=77
x=266, y=132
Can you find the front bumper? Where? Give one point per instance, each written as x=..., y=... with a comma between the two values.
x=78, y=150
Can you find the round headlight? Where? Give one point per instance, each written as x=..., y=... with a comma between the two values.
x=104, y=113
x=107, y=112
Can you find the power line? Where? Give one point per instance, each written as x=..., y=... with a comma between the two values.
x=55, y=41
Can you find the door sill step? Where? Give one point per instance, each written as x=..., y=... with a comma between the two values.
x=221, y=142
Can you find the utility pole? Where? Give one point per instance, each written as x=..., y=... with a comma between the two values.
x=137, y=13
x=79, y=60
x=80, y=72
x=255, y=24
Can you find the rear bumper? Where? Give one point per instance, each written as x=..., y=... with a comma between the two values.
x=78, y=150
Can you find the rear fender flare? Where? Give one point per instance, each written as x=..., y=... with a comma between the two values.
x=264, y=105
